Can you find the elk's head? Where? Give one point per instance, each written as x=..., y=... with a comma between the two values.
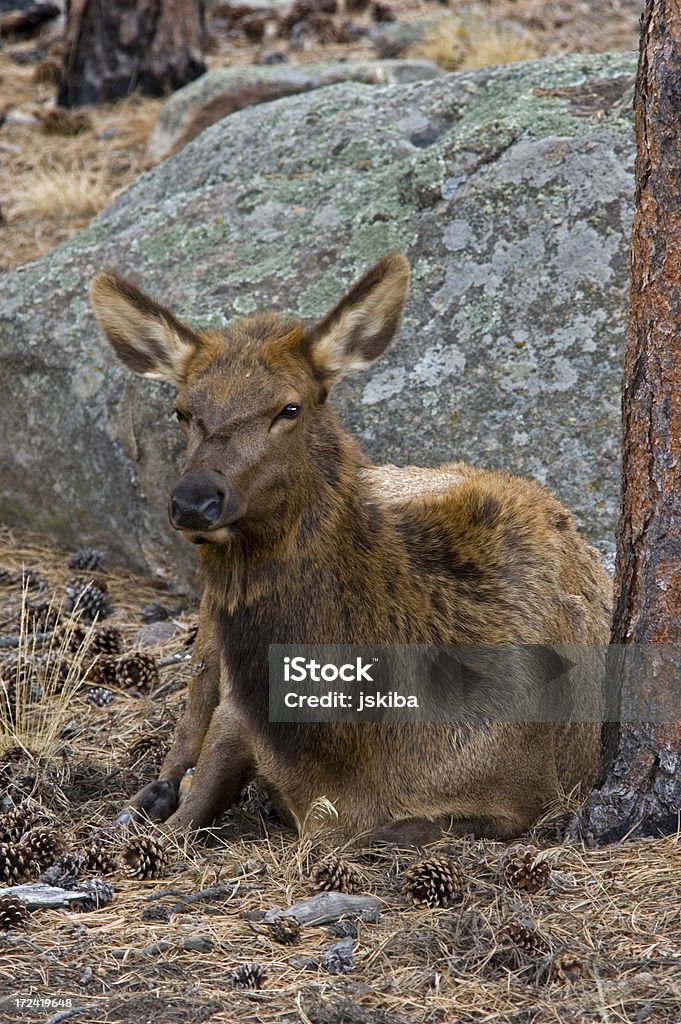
x=251, y=398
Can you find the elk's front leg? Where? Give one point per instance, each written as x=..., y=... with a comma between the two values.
x=158, y=800
x=227, y=764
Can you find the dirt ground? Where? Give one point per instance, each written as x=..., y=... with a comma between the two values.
x=599, y=940
x=51, y=185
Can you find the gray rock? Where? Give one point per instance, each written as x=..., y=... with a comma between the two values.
x=510, y=197
x=154, y=634
x=198, y=943
x=223, y=91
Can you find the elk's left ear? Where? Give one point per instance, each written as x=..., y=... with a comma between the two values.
x=363, y=323
x=144, y=335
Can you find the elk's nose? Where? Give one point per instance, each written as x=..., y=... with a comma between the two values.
x=196, y=502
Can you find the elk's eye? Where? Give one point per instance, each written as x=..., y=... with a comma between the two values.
x=290, y=411
x=180, y=416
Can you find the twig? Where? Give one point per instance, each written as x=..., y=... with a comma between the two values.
x=57, y=1018
x=174, y=659
x=212, y=892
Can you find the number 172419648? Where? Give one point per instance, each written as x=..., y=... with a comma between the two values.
x=43, y=1002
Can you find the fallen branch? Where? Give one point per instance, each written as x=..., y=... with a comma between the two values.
x=325, y=908
x=35, y=895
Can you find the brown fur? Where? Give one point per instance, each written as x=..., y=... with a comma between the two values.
x=328, y=549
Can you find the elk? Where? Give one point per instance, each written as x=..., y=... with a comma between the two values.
x=302, y=540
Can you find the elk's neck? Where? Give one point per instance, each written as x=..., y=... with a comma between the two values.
x=318, y=579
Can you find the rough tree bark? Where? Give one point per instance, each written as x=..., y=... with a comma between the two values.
x=115, y=47
x=639, y=791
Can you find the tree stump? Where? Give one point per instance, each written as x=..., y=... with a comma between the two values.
x=116, y=47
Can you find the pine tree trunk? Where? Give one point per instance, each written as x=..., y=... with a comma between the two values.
x=116, y=47
x=639, y=792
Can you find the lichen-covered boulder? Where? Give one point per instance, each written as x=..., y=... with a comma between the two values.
x=510, y=190
x=222, y=91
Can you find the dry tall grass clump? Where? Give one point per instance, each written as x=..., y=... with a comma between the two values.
x=475, y=38
x=38, y=685
x=61, y=191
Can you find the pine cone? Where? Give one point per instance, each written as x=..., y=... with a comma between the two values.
x=15, y=822
x=100, y=858
x=435, y=882
x=28, y=579
x=71, y=636
x=12, y=912
x=15, y=864
x=248, y=976
x=64, y=872
x=47, y=72
x=523, y=935
x=145, y=857
x=137, y=671
x=568, y=968
x=8, y=691
x=19, y=679
x=12, y=757
x=520, y=869
x=108, y=640
x=88, y=560
x=148, y=748
x=100, y=893
x=87, y=600
x=40, y=616
x=56, y=671
x=100, y=697
x=102, y=671
x=155, y=913
x=155, y=612
x=286, y=930
x=42, y=846
x=333, y=874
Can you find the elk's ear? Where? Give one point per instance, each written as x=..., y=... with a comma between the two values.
x=363, y=323
x=144, y=335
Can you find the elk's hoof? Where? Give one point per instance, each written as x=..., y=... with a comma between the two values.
x=155, y=802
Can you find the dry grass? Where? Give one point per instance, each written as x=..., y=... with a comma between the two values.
x=57, y=192
x=475, y=38
x=52, y=185
x=609, y=919
x=35, y=725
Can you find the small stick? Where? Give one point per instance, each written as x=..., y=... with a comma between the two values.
x=57, y=1018
x=174, y=659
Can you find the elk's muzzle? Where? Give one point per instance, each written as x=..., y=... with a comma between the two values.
x=200, y=502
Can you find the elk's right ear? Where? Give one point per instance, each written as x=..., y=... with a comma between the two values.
x=144, y=335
